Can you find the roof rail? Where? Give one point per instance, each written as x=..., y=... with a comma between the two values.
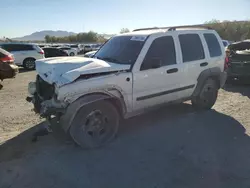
x=149, y=28
x=189, y=26
x=173, y=28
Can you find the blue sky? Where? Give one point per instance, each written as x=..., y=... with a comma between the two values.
x=22, y=17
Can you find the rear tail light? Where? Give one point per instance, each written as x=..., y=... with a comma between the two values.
x=226, y=64
x=41, y=52
x=8, y=59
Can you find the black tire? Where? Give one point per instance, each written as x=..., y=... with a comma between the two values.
x=95, y=125
x=29, y=64
x=71, y=54
x=207, y=96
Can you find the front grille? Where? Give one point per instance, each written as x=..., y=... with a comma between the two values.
x=44, y=89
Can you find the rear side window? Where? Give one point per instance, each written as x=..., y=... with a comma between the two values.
x=162, y=49
x=27, y=47
x=17, y=47
x=213, y=45
x=191, y=47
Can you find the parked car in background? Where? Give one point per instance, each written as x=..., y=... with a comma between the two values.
x=225, y=43
x=87, y=48
x=25, y=54
x=54, y=52
x=77, y=47
x=69, y=51
x=239, y=60
x=96, y=47
x=7, y=67
x=90, y=54
x=148, y=68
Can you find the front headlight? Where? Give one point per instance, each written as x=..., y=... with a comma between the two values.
x=32, y=88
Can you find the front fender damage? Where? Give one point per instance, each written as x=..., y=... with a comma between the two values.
x=52, y=107
x=67, y=118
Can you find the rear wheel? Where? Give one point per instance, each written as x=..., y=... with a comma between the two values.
x=207, y=96
x=29, y=64
x=95, y=124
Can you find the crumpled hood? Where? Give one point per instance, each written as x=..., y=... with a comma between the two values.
x=240, y=46
x=64, y=70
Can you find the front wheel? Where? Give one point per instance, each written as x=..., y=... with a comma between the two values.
x=72, y=54
x=207, y=96
x=95, y=124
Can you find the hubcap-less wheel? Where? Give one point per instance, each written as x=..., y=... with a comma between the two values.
x=208, y=94
x=29, y=64
x=207, y=97
x=96, y=127
x=95, y=124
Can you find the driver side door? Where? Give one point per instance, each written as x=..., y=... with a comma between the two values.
x=159, y=75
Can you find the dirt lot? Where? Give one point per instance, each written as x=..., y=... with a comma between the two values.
x=171, y=147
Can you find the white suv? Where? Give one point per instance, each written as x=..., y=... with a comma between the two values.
x=25, y=54
x=130, y=74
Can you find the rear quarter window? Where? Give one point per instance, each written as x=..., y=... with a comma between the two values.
x=17, y=47
x=213, y=45
x=191, y=47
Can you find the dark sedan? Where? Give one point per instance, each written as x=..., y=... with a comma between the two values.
x=239, y=60
x=53, y=52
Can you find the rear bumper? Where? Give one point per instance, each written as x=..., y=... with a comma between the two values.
x=8, y=71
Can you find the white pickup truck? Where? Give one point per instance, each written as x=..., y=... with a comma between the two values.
x=130, y=74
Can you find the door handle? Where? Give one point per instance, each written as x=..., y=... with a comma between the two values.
x=204, y=64
x=172, y=70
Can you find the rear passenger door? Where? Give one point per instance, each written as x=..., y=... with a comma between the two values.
x=194, y=60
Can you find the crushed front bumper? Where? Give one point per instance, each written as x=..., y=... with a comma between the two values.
x=44, y=105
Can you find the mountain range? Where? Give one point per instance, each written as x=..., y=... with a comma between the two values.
x=39, y=36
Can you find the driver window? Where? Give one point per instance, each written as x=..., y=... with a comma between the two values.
x=161, y=53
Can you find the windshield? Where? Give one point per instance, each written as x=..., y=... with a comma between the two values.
x=121, y=49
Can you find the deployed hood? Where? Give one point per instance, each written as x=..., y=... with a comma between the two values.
x=63, y=70
x=240, y=46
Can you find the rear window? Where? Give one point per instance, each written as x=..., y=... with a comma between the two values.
x=213, y=45
x=191, y=47
x=17, y=47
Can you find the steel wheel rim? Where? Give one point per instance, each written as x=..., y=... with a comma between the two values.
x=30, y=64
x=96, y=127
x=207, y=94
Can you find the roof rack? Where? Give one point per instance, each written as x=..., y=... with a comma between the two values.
x=173, y=28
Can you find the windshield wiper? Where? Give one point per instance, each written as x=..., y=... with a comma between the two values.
x=113, y=60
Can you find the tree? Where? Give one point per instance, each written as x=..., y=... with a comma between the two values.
x=124, y=30
x=231, y=30
x=47, y=38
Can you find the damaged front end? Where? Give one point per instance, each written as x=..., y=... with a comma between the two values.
x=239, y=60
x=44, y=99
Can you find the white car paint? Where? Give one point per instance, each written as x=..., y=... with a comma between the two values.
x=21, y=54
x=64, y=70
x=90, y=54
x=69, y=51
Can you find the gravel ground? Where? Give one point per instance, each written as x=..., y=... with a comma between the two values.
x=171, y=147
